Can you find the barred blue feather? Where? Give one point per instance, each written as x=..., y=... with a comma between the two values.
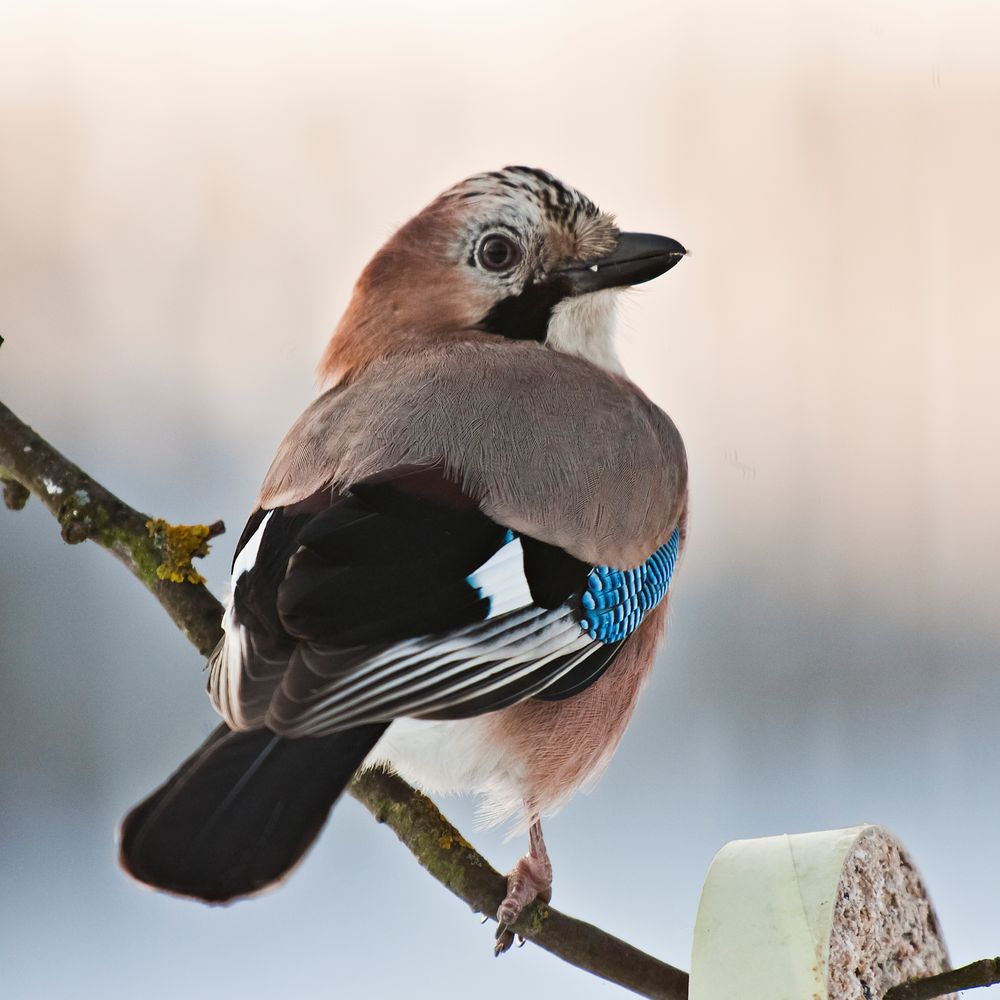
x=616, y=600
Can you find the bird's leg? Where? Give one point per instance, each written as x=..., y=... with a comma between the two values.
x=530, y=879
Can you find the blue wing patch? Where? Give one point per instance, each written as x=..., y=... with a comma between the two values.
x=616, y=600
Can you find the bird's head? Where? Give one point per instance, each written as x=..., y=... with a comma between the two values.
x=514, y=253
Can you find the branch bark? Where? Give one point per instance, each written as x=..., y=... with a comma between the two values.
x=85, y=509
x=985, y=972
x=459, y=867
x=159, y=555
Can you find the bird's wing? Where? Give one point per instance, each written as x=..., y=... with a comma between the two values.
x=399, y=596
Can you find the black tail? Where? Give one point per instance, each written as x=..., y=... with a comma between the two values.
x=240, y=811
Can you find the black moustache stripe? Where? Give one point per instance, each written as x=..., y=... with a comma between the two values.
x=526, y=316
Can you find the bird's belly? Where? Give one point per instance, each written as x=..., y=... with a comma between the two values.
x=453, y=756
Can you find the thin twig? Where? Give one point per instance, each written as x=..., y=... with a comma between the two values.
x=85, y=509
x=985, y=972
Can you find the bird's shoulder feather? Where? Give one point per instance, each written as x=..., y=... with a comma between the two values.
x=547, y=444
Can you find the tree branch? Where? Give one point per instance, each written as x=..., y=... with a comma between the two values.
x=160, y=556
x=985, y=972
x=456, y=864
x=154, y=552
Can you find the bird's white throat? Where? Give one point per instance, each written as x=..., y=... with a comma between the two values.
x=584, y=325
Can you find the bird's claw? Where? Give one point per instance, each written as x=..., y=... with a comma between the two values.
x=504, y=939
x=530, y=879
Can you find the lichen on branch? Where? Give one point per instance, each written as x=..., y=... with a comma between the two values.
x=180, y=543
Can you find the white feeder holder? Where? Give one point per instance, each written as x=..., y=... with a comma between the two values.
x=837, y=915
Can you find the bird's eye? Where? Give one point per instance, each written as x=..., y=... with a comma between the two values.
x=498, y=253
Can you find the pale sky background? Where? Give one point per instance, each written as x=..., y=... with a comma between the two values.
x=187, y=193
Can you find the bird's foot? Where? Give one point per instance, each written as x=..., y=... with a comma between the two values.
x=530, y=879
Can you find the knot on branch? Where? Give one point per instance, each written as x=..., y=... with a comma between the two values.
x=80, y=517
x=179, y=544
x=15, y=494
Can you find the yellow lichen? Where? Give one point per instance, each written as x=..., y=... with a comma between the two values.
x=449, y=840
x=180, y=544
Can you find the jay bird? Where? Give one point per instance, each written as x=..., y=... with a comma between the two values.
x=458, y=562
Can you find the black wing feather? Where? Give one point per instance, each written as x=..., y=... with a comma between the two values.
x=554, y=576
x=382, y=574
x=362, y=574
x=581, y=676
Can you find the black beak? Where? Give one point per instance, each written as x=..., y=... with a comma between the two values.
x=638, y=257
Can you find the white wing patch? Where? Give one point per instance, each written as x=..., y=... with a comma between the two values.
x=226, y=670
x=228, y=662
x=247, y=556
x=501, y=579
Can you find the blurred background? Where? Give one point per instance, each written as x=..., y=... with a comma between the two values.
x=187, y=193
